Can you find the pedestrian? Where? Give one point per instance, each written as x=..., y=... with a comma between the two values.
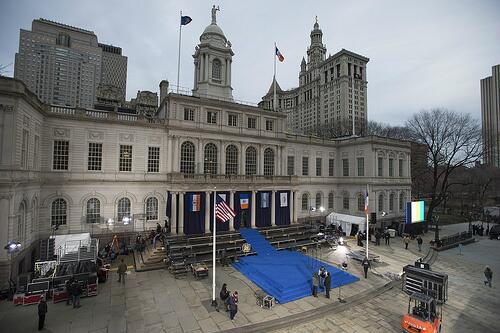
x=387, y=237
x=488, y=274
x=223, y=258
x=122, y=270
x=321, y=275
x=315, y=283
x=328, y=283
x=377, y=238
x=407, y=241
x=419, y=243
x=224, y=296
x=68, y=289
x=76, y=291
x=233, y=305
x=488, y=230
x=42, y=310
x=366, y=264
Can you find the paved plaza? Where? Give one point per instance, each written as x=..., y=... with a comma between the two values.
x=156, y=302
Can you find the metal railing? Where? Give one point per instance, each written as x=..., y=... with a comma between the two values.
x=189, y=92
x=455, y=238
x=78, y=250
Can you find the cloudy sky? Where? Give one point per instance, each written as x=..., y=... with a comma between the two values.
x=423, y=54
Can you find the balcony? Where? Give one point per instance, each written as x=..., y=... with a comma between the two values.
x=234, y=180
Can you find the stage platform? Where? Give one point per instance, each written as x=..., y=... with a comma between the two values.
x=286, y=275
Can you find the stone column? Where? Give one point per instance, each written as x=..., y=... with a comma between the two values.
x=252, y=220
x=207, y=211
x=229, y=73
x=199, y=165
x=222, y=159
x=176, y=154
x=173, y=218
x=297, y=199
x=180, y=230
x=241, y=162
x=291, y=205
x=231, y=204
x=273, y=208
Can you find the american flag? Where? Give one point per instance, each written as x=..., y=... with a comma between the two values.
x=223, y=211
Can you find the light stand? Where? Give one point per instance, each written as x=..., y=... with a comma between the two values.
x=344, y=268
x=11, y=247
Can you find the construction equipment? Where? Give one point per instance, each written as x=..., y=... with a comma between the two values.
x=428, y=290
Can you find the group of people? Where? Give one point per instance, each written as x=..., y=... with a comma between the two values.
x=230, y=301
x=74, y=291
x=479, y=230
x=321, y=279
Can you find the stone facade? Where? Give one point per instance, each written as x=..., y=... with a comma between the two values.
x=330, y=90
x=490, y=116
x=84, y=170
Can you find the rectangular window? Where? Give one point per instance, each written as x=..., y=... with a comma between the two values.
x=391, y=167
x=36, y=152
x=232, y=120
x=189, y=114
x=319, y=162
x=269, y=125
x=305, y=166
x=345, y=167
x=345, y=202
x=60, y=157
x=331, y=168
x=290, y=165
x=125, y=163
x=211, y=117
x=94, y=162
x=153, y=159
x=24, y=150
x=401, y=168
x=361, y=166
x=252, y=123
x=380, y=167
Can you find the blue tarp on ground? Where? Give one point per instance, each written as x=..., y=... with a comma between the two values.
x=286, y=275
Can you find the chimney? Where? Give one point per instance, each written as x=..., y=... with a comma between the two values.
x=163, y=90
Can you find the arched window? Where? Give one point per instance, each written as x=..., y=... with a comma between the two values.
x=216, y=69
x=231, y=160
x=93, y=210
x=380, y=202
x=391, y=202
x=268, y=162
x=318, y=200
x=151, y=209
x=345, y=201
x=123, y=208
x=361, y=202
x=34, y=214
x=401, y=201
x=21, y=221
x=187, y=157
x=59, y=212
x=305, y=202
x=330, y=200
x=210, y=162
x=251, y=161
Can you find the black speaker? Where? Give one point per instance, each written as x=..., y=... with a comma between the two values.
x=373, y=218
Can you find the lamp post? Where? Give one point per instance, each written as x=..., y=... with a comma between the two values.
x=11, y=247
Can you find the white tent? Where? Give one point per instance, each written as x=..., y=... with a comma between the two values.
x=346, y=221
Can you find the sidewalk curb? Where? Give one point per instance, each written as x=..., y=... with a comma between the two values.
x=307, y=316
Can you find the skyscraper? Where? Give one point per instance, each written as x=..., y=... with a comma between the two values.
x=490, y=116
x=65, y=65
x=331, y=90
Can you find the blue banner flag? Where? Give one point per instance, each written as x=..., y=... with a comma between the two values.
x=194, y=203
x=265, y=200
x=185, y=20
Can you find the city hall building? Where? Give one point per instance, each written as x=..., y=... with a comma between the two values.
x=110, y=170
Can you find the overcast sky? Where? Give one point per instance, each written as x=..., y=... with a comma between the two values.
x=423, y=54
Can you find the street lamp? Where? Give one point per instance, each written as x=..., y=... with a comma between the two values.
x=11, y=247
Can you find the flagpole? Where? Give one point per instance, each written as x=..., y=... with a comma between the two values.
x=214, y=233
x=179, y=53
x=274, y=78
x=367, y=213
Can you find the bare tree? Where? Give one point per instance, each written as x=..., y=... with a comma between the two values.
x=387, y=131
x=332, y=130
x=453, y=140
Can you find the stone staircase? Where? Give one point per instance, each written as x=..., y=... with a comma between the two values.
x=152, y=259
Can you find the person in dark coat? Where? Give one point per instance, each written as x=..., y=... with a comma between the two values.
x=223, y=258
x=68, y=290
x=315, y=283
x=76, y=291
x=233, y=305
x=42, y=310
x=488, y=274
x=122, y=271
x=419, y=243
x=328, y=283
x=377, y=238
x=387, y=238
x=366, y=264
x=224, y=296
